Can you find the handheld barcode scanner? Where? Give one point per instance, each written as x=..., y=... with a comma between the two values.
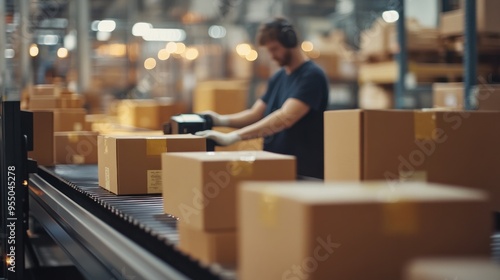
x=190, y=123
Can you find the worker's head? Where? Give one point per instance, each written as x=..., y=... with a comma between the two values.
x=280, y=39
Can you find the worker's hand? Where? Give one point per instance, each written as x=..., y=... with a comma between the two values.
x=219, y=120
x=223, y=139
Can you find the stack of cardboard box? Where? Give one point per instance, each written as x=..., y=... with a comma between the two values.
x=200, y=189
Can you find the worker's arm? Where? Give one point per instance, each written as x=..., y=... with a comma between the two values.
x=241, y=119
x=291, y=112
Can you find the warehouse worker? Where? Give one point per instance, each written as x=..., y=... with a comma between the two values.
x=290, y=114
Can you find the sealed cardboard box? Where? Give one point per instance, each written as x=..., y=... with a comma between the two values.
x=398, y=145
x=453, y=268
x=132, y=164
x=200, y=188
x=43, y=138
x=45, y=90
x=340, y=231
x=223, y=97
x=138, y=113
x=75, y=147
x=208, y=246
x=53, y=102
x=375, y=40
x=452, y=23
x=69, y=119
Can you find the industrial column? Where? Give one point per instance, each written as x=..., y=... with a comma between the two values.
x=83, y=44
x=402, y=57
x=470, y=55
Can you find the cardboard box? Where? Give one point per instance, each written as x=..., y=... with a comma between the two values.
x=132, y=164
x=452, y=23
x=453, y=268
x=448, y=95
x=433, y=146
x=318, y=231
x=53, y=102
x=208, y=246
x=75, y=147
x=372, y=96
x=451, y=95
x=245, y=145
x=69, y=119
x=43, y=138
x=139, y=113
x=44, y=90
x=223, y=97
x=337, y=66
x=201, y=187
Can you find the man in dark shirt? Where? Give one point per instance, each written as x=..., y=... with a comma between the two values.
x=290, y=114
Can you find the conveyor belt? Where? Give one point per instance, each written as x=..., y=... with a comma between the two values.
x=139, y=218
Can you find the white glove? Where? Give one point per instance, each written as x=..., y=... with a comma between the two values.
x=219, y=120
x=223, y=139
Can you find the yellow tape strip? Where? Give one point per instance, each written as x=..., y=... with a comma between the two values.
x=425, y=125
x=268, y=209
x=155, y=147
x=400, y=218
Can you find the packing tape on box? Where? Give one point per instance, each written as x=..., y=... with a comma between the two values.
x=268, y=209
x=77, y=126
x=78, y=159
x=400, y=218
x=242, y=167
x=73, y=138
x=155, y=147
x=424, y=124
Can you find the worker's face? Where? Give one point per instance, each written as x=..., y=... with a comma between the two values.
x=279, y=53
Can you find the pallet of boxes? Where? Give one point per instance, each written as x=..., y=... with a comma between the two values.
x=379, y=70
x=484, y=96
x=60, y=135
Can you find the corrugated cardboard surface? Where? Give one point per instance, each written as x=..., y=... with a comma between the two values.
x=132, y=164
x=139, y=113
x=75, y=147
x=200, y=188
x=208, y=247
x=449, y=147
x=56, y=102
x=43, y=138
x=487, y=19
x=353, y=232
x=69, y=119
x=448, y=95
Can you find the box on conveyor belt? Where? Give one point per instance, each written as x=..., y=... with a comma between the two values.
x=147, y=113
x=208, y=246
x=255, y=144
x=488, y=22
x=75, y=147
x=69, y=119
x=45, y=90
x=486, y=97
x=56, y=102
x=132, y=164
x=43, y=138
x=223, y=97
x=200, y=188
x=453, y=268
x=449, y=147
x=355, y=230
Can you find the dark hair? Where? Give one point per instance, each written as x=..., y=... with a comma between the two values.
x=278, y=29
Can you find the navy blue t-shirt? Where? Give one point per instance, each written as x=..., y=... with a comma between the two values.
x=304, y=139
